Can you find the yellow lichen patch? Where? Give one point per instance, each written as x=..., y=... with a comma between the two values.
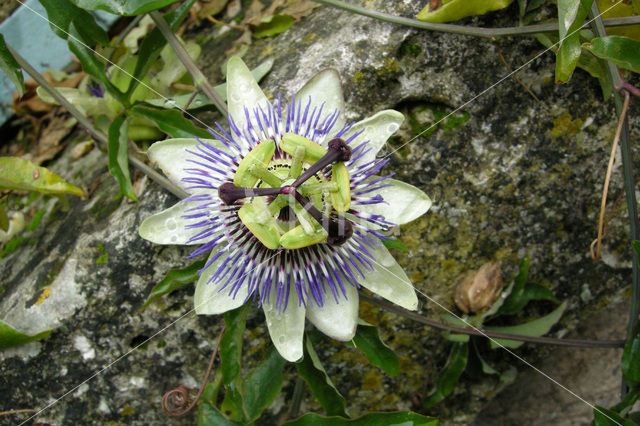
x=358, y=77
x=43, y=296
x=389, y=66
x=371, y=380
x=308, y=39
x=564, y=125
x=127, y=410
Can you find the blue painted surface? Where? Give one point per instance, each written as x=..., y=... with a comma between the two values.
x=28, y=32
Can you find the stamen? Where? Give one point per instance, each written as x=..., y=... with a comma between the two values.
x=338, y=151
x=339, y=230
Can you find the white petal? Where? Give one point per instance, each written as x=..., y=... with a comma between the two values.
x=168, y=226
x=403, y=202
x=337, y=320
x=171, y=156
x=243, y=91
x=377, y=129
x=324, y=87
x=286, y=329
x=389, y=280
x=208, y=300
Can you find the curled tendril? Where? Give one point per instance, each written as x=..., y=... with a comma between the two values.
x=174, y=401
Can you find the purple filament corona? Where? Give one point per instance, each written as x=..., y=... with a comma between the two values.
x=238, y=258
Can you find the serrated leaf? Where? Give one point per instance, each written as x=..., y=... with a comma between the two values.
x=323, y=389
x=396, y=244
x=22, y=175
x=569, y=51
x=449, y=376
x=536, y=328
x=273, y=25
x=10, y=337
x=175, y=279
x=404, y=418
x=62, y=14
x=171, y=122
x=153, y=44
x=10, y=67
x=123, y=7
x=367, y=339
x=631, y=360
x=262, y=385
x=622, y=51
x=118, y=154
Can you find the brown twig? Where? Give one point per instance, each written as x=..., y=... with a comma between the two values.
x=612, y=157
x=492, y=334
x=174, y=400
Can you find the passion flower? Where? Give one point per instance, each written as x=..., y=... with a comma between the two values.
x=289, y=206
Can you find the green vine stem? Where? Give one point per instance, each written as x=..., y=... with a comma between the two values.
x=627, y=172
x=462, y=29
x=86, y=123
x=198, y=77
x=492, y=334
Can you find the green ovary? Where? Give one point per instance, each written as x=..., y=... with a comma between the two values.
x=281, y=221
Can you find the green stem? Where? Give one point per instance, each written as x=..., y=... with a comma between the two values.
x=86, y=123
x=629, y=187
x=296, y=398
x=493, y=334
x=463, y=29
x=197, y=76
x=135, y=21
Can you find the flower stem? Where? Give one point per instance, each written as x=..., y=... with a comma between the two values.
x=463, y=29
x=492, y=334
x=86, y=123
x=296, y=398
x=629, y=186
x=198, y=77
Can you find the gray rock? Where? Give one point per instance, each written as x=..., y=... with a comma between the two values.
x=510, y=175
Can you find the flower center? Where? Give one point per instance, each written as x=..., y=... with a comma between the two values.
x=293, y=202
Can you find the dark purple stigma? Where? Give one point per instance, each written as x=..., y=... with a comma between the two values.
x=229, y=193
x=338, y=151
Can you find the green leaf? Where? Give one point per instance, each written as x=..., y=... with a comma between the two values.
x=10, y=67
x=90, y=64
x=571, y=16
x=627, y=403
x=118, y=154
x=4, y=220
x=449, y=376
x=514, y=302
x=622, y=51
x=631, y=360
x=153, y=44
x=262, y=385
x=312, y=371
x=10, y=337
x=605, y=417
x=537, y=328
x=455, y=10
x=172, y=122
x=231, y=361
x=22, y=175
x=367, y=339
x=404, y=418
x=453, y=320
x=122, y=7
x=273, y=25
x=175, y=279
x=62, y=14
x=396, y=244
x=208, y=415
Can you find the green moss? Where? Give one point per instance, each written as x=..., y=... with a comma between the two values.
x=564, y=125
x=35, y=221
x=389, y=66
x=127, y=410
x=358, y=77
x=411, y=49
x=11, y=246
x=104, y=257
